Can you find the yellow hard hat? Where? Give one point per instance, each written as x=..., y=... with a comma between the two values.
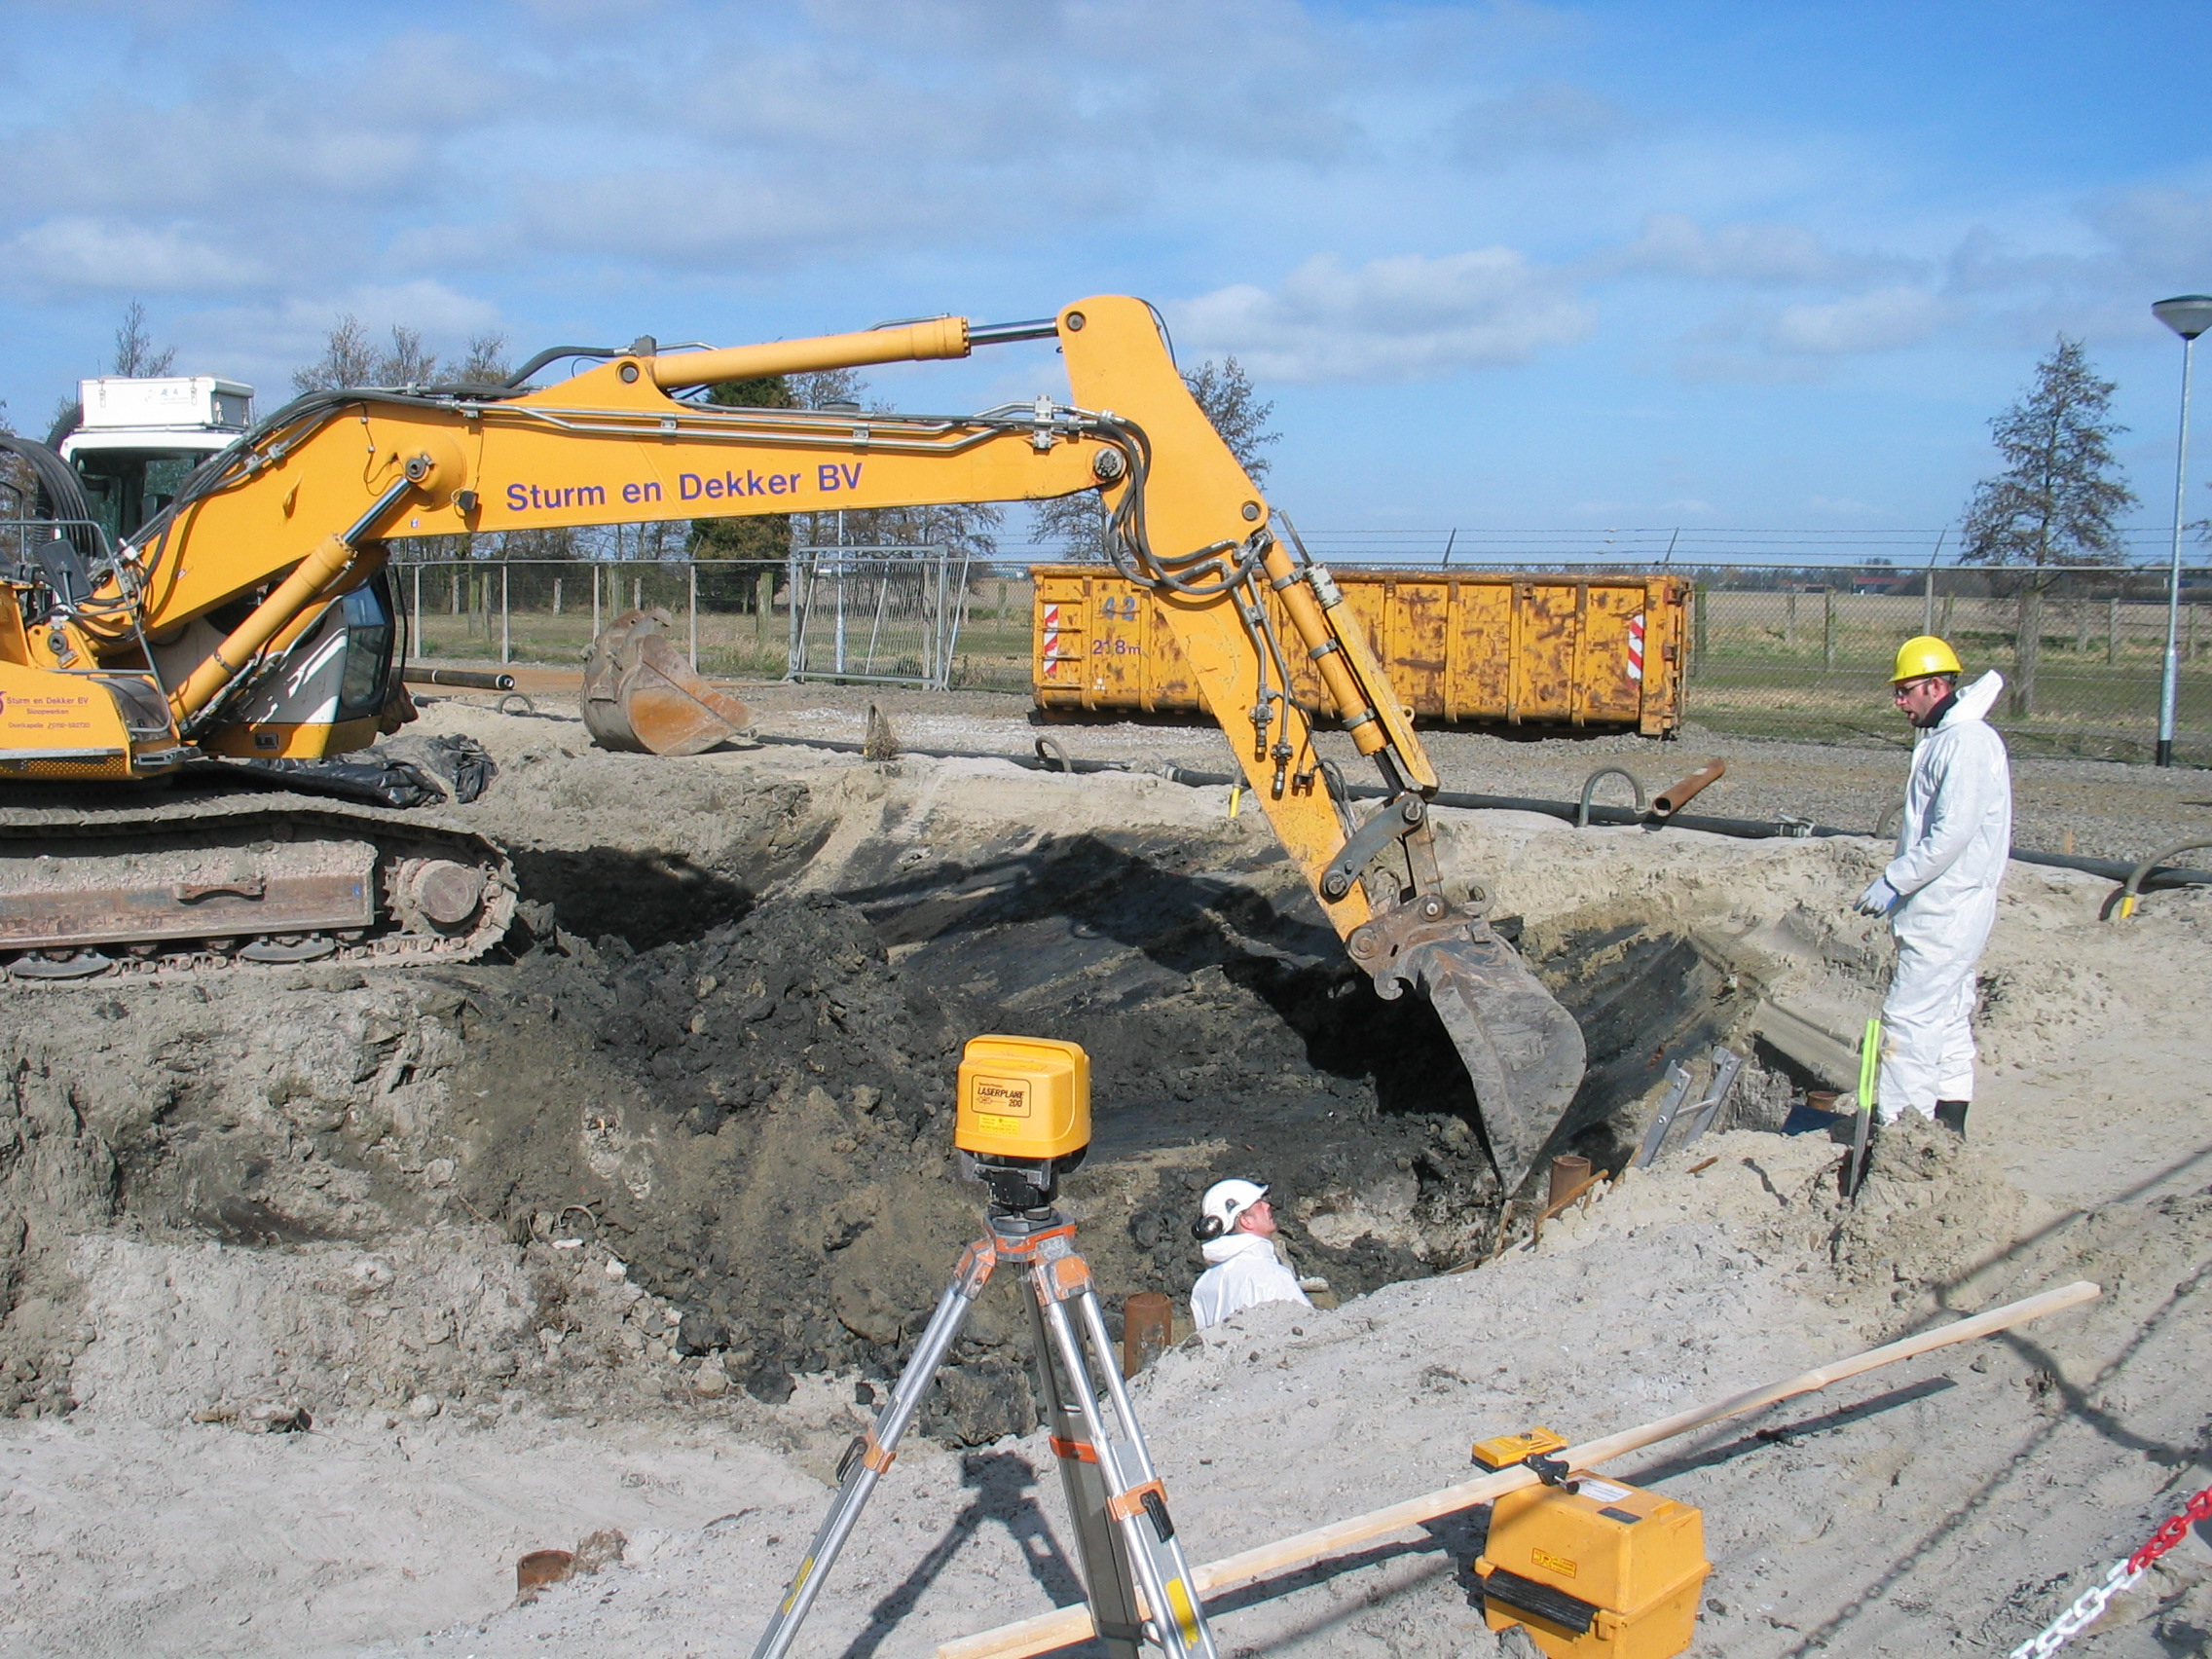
x=1923, y=655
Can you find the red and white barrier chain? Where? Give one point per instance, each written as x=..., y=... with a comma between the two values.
x=2085, y=1611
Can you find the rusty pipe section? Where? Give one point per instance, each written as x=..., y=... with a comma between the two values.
x=1669, y=801
x=909, y=342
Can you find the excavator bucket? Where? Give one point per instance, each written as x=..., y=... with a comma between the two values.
x=1523, y=1051
x=641, y=696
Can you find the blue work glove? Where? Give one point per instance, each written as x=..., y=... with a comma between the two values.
x=1880, y=899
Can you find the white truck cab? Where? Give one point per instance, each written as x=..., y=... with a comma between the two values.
x=136, y=440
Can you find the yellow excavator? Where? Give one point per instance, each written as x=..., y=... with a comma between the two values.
x=249, y=617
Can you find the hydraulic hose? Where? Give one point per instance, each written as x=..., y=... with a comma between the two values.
x=2137, y=876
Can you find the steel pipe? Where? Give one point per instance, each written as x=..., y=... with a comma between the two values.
x=1669, y=801
x=1590, y=786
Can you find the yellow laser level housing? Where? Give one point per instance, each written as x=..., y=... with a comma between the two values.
x=1022, y=1097
x=1506, y=1450
x=1606, y=1571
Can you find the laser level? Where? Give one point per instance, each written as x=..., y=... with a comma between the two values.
x=1023, y=1116
x=1023, y=1122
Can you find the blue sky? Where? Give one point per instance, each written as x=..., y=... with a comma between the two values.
x=1500, y=267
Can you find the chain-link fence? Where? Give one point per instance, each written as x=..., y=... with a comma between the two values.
x=882, y=616
x=1780, y=652
x=1794, y=632
x=920, y=615
x=1777, y=649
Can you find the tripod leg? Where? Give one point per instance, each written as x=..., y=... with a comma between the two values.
x=1108, y=1583
x=1136, y=1501
x=872, y=1453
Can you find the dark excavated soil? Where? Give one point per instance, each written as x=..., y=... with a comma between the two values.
x=766, y=1108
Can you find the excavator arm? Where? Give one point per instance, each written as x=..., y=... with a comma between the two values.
x=611, y=445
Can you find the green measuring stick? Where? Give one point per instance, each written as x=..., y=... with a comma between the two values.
x=1869, y=1068
x=1869, y=1063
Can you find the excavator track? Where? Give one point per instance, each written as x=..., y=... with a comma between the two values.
x=225, y=885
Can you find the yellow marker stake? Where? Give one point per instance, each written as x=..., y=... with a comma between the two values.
x=1869, y=1064
x=1236, y=798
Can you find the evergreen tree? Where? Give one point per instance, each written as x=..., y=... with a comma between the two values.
x=2056, y=501
x=1077, y=524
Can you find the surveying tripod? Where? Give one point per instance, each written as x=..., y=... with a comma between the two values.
x=1134, y=1571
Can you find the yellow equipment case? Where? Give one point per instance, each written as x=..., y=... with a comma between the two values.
x=1606, y=1571
x=1593, y=653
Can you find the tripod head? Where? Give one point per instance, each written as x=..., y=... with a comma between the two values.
x=1023, y=1118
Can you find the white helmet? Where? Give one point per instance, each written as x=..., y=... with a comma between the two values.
x=1225, y=1202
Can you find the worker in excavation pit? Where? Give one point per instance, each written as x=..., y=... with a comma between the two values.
x=1237, y=1232
x=1939, y=893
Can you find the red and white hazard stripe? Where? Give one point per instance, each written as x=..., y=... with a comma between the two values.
x=1050, y=652
x=1635, y=647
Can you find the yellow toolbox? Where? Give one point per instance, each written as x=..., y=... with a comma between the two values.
x=1601, y=1571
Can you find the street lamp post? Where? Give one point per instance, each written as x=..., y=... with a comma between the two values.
x=2188, y=315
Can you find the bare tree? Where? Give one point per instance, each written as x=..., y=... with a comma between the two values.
x=2056, y=501
x=135, y=352
x=349, y=358
x=1077, y=524
x=965, y=526
x=486, y=360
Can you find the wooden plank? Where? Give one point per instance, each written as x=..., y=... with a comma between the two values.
x=1069, y=1625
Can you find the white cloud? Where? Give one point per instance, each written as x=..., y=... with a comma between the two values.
x=1779, y=254
x=78, y=253
x=1406, y=318
x=1883, y=320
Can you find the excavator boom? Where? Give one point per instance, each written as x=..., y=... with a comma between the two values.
x=298, y=514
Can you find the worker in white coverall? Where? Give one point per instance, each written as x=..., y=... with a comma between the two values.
x=1236, y=1228
x=1939, y=893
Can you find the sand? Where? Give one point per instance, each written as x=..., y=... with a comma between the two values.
x=274, y=1196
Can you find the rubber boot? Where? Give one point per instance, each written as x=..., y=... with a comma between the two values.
x=1952, y=1115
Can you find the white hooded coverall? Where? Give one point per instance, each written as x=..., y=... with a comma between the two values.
x=1952, y=844
x=1244, y=1270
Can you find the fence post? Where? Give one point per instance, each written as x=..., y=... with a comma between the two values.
x=2191, y=656
x=1827, y=628
x=416, y=614
x=456, y=590
x=506, y=652
x=1790, y=617
x=691, y=573
x=594, y=602
x=1697, y=622
x=637, y=593
x=2112, y=630
x=791, y=617
x=556, y=596
x=1927, y=601
x=763, y=597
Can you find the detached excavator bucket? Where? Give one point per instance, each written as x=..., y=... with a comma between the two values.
x=1522, y=1049
x=641, y=696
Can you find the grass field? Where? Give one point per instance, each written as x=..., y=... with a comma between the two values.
x=1817, y=666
